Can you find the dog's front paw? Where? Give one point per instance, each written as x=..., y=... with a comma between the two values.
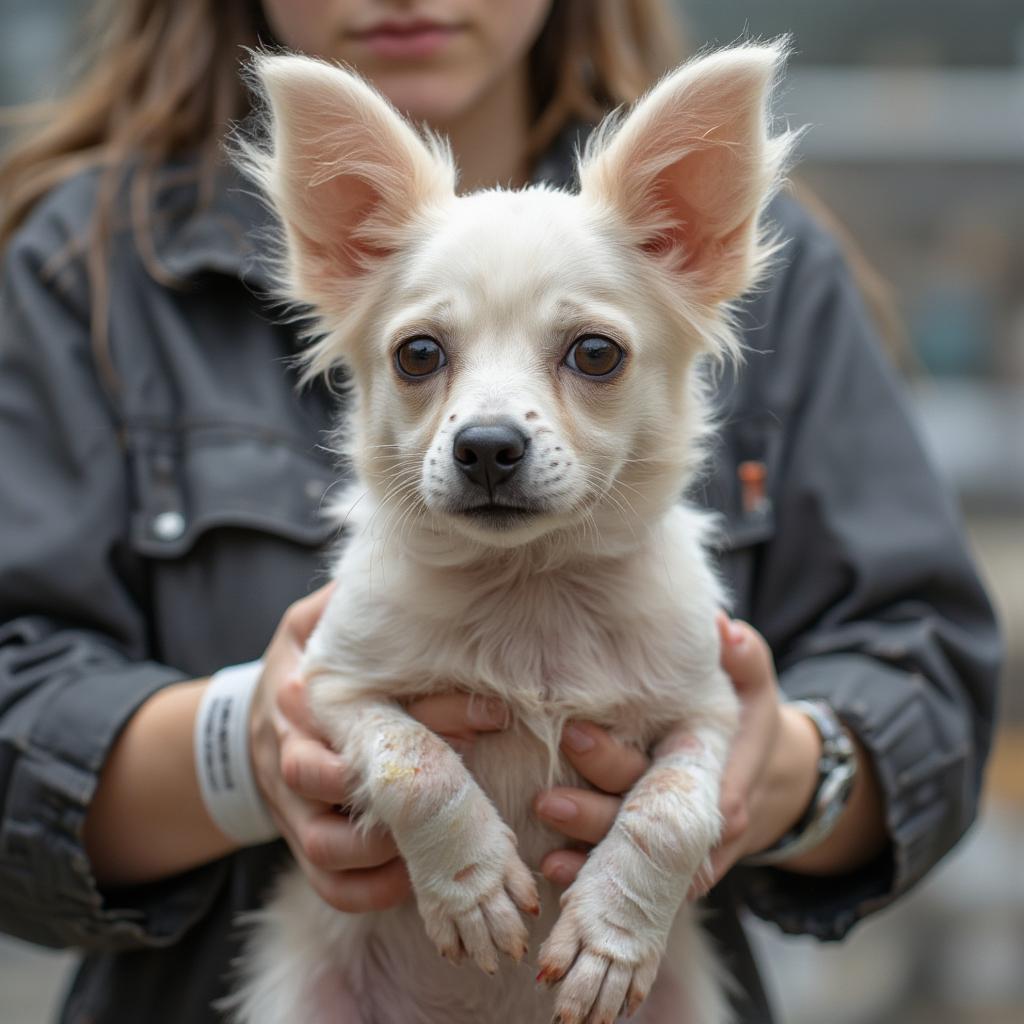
x=474, y=909
x=607, y=944
x=605, y=971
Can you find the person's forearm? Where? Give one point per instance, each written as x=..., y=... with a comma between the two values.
x=147, y=819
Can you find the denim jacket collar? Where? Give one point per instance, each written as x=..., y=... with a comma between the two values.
x=233, y=233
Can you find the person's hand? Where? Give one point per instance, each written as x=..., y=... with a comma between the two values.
x=585, y=815
x=771, y=773
x=768, y=781
x=306, y=785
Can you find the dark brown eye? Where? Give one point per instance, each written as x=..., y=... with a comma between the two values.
x=419, y=357
x=594, y=356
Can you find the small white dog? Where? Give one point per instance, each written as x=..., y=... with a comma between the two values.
x=526, y=412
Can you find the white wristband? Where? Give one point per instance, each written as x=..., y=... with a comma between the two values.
x=223, y=766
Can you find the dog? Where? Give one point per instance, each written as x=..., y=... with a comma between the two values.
x=527, y=407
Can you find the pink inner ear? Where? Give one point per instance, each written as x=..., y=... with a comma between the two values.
x=700, y=231
x=703, y=208
x=691, y=168
x=328, y=240
x=345, y=173
x=682, y=232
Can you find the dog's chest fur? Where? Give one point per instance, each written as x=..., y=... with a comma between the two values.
x=626, y=642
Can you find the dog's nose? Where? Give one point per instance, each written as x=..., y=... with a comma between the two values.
x=489, y=454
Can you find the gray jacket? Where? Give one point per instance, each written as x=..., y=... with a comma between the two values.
x=157, y=534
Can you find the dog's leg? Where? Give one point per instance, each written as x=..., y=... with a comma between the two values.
x=616, y=917
x=461, y=856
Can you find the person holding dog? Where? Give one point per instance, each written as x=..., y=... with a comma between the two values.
x=145, y=385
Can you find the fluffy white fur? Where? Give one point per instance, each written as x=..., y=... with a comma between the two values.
x=599, y=605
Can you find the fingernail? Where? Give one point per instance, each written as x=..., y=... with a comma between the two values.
x=577, y=740
x=487, y=714
x=558, y=875
x=557, y=808
x=736, y=634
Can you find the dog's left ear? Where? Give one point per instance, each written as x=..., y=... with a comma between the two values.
x=346, y=174
x=691, y=167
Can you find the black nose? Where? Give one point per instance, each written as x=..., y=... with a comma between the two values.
x=489, y=454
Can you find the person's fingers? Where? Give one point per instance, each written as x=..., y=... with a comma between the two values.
x=578, y=813
x=301, y=617
x=745, y=656
x=332, y=842
x=460, y=714
x=723, y=859
x=312, y=770
x=293, y=702
x=720, y=862
x=358, y=892
x=602, y=760
x=747, y=659
x=562, y=866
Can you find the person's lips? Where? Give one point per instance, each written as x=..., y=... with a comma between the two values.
x=404, y=40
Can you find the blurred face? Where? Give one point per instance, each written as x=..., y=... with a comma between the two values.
x=434, y=59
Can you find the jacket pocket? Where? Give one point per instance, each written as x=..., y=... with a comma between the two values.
x=741, y=490
x=186, y=484
x=226, y=531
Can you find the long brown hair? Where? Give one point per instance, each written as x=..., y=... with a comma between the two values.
x=162, y=80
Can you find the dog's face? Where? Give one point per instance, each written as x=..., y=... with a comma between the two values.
x=516, y=367
x=523, y=362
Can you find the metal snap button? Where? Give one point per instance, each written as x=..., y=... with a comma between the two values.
x=168, y=525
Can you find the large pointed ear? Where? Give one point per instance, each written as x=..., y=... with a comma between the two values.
x=690, y=168
x=345, y=173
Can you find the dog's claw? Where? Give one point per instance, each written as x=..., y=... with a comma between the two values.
x=548, y=975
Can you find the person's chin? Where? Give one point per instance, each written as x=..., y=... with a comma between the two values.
x=426, y=94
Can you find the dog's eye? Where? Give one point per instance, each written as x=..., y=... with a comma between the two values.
x=419, y=357
x=594, y=356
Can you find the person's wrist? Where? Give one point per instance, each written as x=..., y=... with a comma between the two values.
x=836, y=774
x=264, y=745
x=792, y=774
x=223, y=756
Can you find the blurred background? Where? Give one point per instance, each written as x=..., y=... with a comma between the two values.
x=916, y=147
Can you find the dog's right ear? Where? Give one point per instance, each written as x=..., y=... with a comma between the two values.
x=690, y=168
x=345, y=173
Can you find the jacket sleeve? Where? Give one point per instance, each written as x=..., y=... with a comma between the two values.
x=866, y=593
x=72, y=627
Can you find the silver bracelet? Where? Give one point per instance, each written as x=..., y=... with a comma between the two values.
x=837, y=769
x=223, y=764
